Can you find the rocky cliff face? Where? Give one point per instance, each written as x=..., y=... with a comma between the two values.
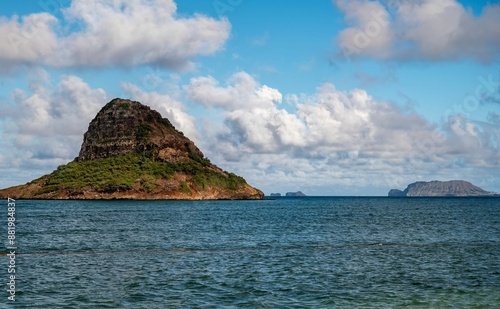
x=131, y=152
x=440, y=188
x=124, y=126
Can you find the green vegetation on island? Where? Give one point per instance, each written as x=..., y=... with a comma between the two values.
x=134, y=171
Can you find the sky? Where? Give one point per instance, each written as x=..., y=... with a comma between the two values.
x=326, y=97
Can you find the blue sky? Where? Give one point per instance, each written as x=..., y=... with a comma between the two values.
x=331, y=98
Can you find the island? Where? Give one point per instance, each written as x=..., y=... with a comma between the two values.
x=275, y=194
x=295, y=194
x=131, y=152
x=435, y=188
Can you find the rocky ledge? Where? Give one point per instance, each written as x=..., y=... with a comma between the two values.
x=131, y=152
x=452, y=188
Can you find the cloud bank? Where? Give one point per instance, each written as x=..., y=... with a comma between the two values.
x=336, y=137
x=330, y=139
x=98, y=33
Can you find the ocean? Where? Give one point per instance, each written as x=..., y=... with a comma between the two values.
x=313, y=252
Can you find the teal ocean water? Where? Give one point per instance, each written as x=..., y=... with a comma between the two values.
x=330, y=252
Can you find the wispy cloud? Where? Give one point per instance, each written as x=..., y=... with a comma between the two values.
x=307, y=66
x=261, y=40
x=268, y=69
x=386, y=75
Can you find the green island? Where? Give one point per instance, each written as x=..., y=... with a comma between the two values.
x=131, y=152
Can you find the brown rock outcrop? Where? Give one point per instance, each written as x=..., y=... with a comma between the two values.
x=124, y=126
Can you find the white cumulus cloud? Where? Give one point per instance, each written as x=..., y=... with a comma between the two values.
x=26, y=40
x=419, y=30
x=250, y=111
x=45, y=124
x=111, y=34
x=335, y=137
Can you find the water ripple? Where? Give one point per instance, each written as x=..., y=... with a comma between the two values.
x=305, y=253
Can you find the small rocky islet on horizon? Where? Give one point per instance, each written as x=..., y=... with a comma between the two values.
x=435, y=188
x=289, y=194
x=131, y=152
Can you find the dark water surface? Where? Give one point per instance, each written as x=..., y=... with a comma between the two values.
x=287, y=253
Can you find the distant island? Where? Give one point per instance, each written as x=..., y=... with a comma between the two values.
x=131, y=152
x=452, y=188
x=295, y=194
x=288, y=194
